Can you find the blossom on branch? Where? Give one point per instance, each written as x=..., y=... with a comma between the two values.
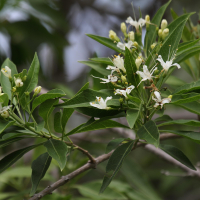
x=159, y=101
x=6, y=71
x=140, y=23
x=101, y=104
x=126, y=91
x=123, y=45
x=111, y=78
x=118, y=62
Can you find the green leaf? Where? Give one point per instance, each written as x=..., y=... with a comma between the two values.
x=97, y=125
x=57, y=149
x=134, y=99
x=102, y=60
x=46, y=108
x=32, y=77
x=5, y=124
x=5, y=83
x=181, y=122
x=178, y=155
x=11, y=158
x=39, y=168
x=129, y=64
x=185, y=98
x=189, y=87
x=57, y=122
x=8, y=141
x=106, y=42
x=193, y=107
x=132, y=116
x=85, y=87
x=174, y=37
x=150, y=133
x=174, y=81
x=163, y=118
x=55, y=93
x=151, y=34
x=185, y=46
x=67, y=112
x=195, y=136
x=115, y=161
x=113, y=144
x=97, y=67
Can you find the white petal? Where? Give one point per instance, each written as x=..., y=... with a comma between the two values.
x=161, y=60
x=166, y=100
x=156, y=104
x=141, y=22
x=157, y=94
x=129, y=89
x=121, y=45
x=176, y=64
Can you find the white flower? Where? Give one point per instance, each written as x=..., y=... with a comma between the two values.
x=141, y=22
x=6, y=71
x=123, y=45
x=118, y=64
x=166, y=65
x=159, y=101
x=111, y=78
x=4, y=109
x=138, y=62
x=124, y=92
x=101, y=104
x=37, y=90
x=18, y=82
x=5, y=114
x=146, y=74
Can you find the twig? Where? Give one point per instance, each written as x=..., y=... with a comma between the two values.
x=87, y=166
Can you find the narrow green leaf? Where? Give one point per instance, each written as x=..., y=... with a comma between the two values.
x=55, y=93
x=195, y=136
x=46, y=108
x=97, y=67
x=32, y=77
x=134, y=99
x=189, y=87
x=163, y=118
x=8, y=141
x=151, y=34
x=5, y=124
x=5, y=83
x=185, y=98
x=113, y=144
x=102, y=60
x=129, y=64
x=39, y=168
x=57, y=149
x=115, y=161
x=67, y=112
x=193, y=107
x=97, y=125
x=11, y=158
x=85, y=87
x=132, y=116
x=150, y=133
x=181, y=122
x=184, y=46
x=106, y=42
x=57, y=122
x=178, y=155
x=175, y=81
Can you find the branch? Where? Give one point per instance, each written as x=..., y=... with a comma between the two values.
x=87, y=166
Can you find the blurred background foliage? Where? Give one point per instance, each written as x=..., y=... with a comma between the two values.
x=56, y=30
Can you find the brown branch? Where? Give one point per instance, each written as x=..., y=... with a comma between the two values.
x=87, y=166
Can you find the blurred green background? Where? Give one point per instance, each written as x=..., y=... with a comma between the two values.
x=55, y=29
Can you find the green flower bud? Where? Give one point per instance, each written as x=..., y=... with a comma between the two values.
x=27, y=93
x=37, y=90
x=24, y=78
x=14, y=89
x=131, y=36
x=123, y=28
x=123, y=79
x=119, y=81
x=5, y=114
x=165, y=33
x=121, y=100
x=164, y=24
x=113, y=36
x=160, y=33
x=135, y=44
x=153, y=45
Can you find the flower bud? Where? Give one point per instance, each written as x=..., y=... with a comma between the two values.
x=135, y=44
x=153, y=45
x=138, y=62
x=147, y=18
x=156, y=72
x=165, y=33
x=131, y=36
x=24, y=78
x=14, y=89
x=5, y=114
x=123, y=28
x=119, y=82
x=113, y=36
x=126, y=83
x=7, y=72
x=121, y=100
x=170, y=97
x=37, y=90
x=160, y=33
x=123, y=79
x=164, y=24
x=27, y=93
